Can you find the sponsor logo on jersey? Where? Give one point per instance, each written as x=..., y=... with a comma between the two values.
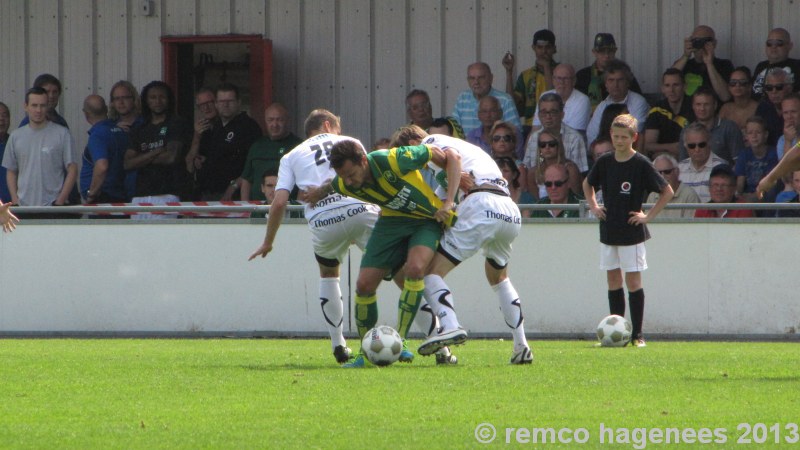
x=390, y=176
x=625, y=188
x=402, y=199
x=329, y=221
x=229, y=137
x=163, y=131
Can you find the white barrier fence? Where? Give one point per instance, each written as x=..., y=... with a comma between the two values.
x=192, y=277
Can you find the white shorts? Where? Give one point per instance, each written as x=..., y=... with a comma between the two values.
x=485, y=220
x=333, y=231
x=629, y=258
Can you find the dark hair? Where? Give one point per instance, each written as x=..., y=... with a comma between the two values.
x=505, y=161
x=618, y=65
x=723, y=170
x=704, y=90
x=46, y=78
x=343, y=151
x=227, y=87
x=671, y=71
x=269, y=173
x=746, y=71
x=146, y=113
x=552, y=97
x=34, y=91
x=443, y=122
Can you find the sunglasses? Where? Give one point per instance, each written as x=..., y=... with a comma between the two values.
x=699, y=144
x=550, y=184
x=501, y=137
x=772, y=87
x=666, y=171
x=738, y=83
x=543, y=144
x=775, y=43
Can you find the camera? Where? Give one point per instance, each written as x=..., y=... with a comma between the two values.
x=699, y=43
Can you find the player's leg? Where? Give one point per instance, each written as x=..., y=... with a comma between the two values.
x=610, y=262
x=634, y=261
x=510, y=305
x=440, y=298
x=330, y=296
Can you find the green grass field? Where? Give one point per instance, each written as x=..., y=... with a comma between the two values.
x=253, y=393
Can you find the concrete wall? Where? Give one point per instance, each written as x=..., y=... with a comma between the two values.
x=360, y=58
x=193, y=277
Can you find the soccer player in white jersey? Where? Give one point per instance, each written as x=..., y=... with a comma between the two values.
x=335, y=222
x=488, y=219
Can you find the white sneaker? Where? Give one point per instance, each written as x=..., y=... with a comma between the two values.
x=441, y=339
x=445, y=357
x=524, y=356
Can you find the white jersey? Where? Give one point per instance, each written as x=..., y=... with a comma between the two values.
x=307, y=166
x=474, y=161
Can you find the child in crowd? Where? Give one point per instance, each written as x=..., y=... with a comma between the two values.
x=756, y=161
x=625, y=177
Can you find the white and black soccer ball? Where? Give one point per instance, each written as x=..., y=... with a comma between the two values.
x=614, y=331
x=382, y=345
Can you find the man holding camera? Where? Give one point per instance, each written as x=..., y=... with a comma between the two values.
x=700, y=67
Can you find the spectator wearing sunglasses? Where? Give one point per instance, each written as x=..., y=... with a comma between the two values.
x=725, y=136
x=551, y=151
x=551, y=114
x=696, y=169
x=504, y=145
x=777, y=49
x=556, y=182
x=777, y=86
x=742, y=105
x=668, y=168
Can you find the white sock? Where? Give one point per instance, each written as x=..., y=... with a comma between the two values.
x=440, y=299
x=426, y=320
x=512, y=311
x=330, y=296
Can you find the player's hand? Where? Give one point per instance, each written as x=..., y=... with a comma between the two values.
x=467, y=182
x=262, y=251
x=508, y=61
x=764, y=186
x=598, y=211
x=443, y=214
x=637, y=218
x=302, y=196
x=8, y=218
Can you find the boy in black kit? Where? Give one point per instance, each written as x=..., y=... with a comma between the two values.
x=626, y=178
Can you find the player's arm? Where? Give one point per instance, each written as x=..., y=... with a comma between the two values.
x=640, y=218
x=7, y=219
x=66, y=188
x=315, y=194
x=99, y=173
x=277, y=210
x=451, y=163
x=13, y=187
x=591, y=200
x=136, y=160
x=788, y=164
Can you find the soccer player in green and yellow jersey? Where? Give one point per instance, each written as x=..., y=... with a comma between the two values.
x=408, y=231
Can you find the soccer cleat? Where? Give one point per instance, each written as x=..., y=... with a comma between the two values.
x=524, y=356
x=639, y=342
x=405, y=355
x=342, y=354
x=445, y=357
x=359, y=362
x=441, y=339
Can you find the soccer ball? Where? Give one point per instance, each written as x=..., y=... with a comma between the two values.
x=382, y=345
x=614, y=331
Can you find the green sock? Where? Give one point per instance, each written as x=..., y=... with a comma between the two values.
x=407, y=308
x=366, y=313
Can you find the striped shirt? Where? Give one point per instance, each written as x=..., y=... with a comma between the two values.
x=466, y=109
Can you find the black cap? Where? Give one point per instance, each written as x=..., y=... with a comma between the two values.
x=543, y=37
x=604, y=40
